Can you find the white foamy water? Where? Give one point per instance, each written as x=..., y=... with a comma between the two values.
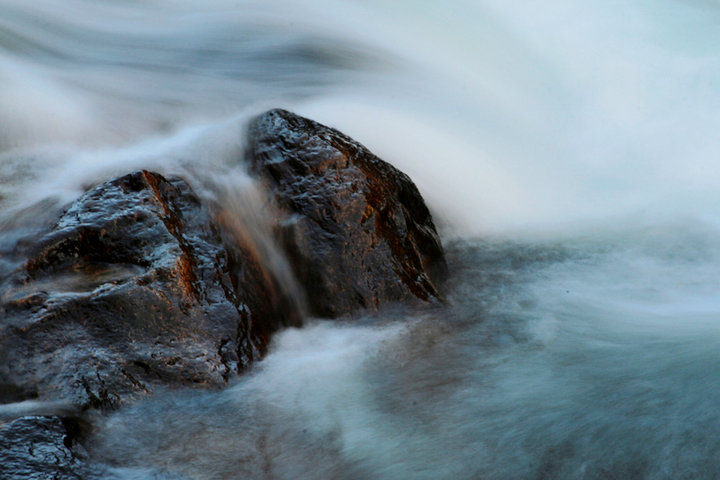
x=568, y=153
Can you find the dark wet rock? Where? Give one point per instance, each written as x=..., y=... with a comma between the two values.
x=133, y=288
x=41, y=448
x=356, y=229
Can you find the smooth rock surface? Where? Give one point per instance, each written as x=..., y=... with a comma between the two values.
x=355, y=229
x=132, y=288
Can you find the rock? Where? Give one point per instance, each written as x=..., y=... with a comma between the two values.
x=356, y=230
x=132, y=288
x=40, y=448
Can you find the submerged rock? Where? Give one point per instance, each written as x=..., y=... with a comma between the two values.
x=134, y=287
x=356, y=230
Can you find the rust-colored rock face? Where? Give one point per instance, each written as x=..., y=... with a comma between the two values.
x=138, y=284
x=356, y=229
x=133, y=287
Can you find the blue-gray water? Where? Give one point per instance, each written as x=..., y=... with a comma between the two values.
x=568, y=151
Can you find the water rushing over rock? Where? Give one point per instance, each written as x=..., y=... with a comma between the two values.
x=134, y=286
x=567, y=151
x=139, y=286
x=356, y=230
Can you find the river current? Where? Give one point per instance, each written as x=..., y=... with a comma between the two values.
x=568, y=152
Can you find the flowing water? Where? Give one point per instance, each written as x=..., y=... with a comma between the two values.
x=568, y=151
